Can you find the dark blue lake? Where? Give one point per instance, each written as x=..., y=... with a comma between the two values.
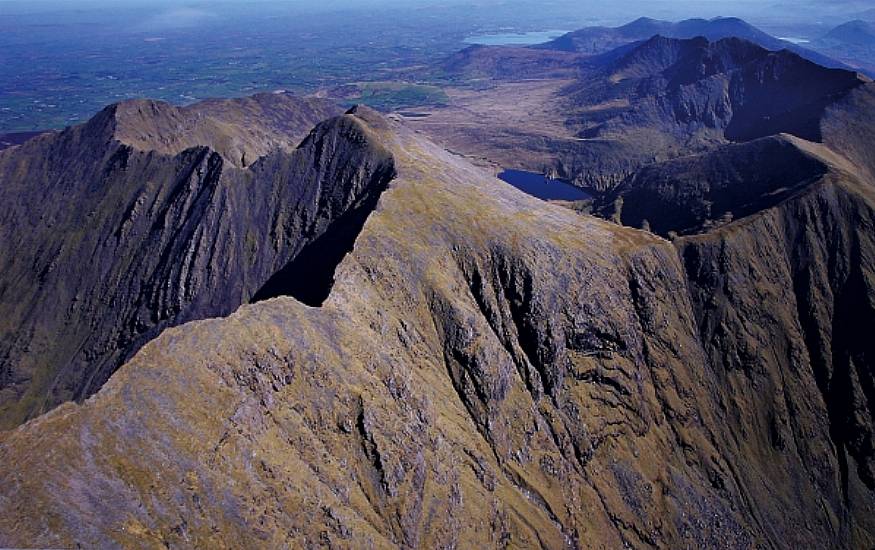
x=542, y=187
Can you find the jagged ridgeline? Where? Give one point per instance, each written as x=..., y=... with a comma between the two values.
x=150, y=216
x=486, y=369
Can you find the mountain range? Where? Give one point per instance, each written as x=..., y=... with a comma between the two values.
x=266, y=322
x=610, y=114
x=599, y=40
x=853, y=42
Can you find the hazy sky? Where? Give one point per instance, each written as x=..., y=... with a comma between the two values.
x=188, y=11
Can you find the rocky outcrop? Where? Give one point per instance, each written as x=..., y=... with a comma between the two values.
x=490, y=370
x=107, y=243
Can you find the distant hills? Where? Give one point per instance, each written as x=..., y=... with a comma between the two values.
x=846, y=47
x=598, y=40
x=858, y=32
x=684, y=87
x=509, y=63
x=853, y=43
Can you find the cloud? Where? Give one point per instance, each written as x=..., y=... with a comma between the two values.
x=176, y=18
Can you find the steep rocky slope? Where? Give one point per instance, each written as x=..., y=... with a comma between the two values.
x=490, y=370
x=785, y=302
x=108, y=240
x=789, y=288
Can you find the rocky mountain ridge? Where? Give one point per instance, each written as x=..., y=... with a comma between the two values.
x=490, y=370
x=108, y=243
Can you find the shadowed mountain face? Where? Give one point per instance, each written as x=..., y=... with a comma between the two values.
x=600, y=40
x=487, y=369
x=695, y=193
x=612, y=114
x=689, y=88
x=108, y=243
x=691, y=194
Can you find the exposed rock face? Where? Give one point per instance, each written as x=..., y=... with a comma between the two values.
x=490, y=370
x=106, y=244
x=785, y=302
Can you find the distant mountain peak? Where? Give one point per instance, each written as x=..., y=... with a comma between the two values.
x=641, y=24
x=601, y=40
x=728, y=89
x=857, y=32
